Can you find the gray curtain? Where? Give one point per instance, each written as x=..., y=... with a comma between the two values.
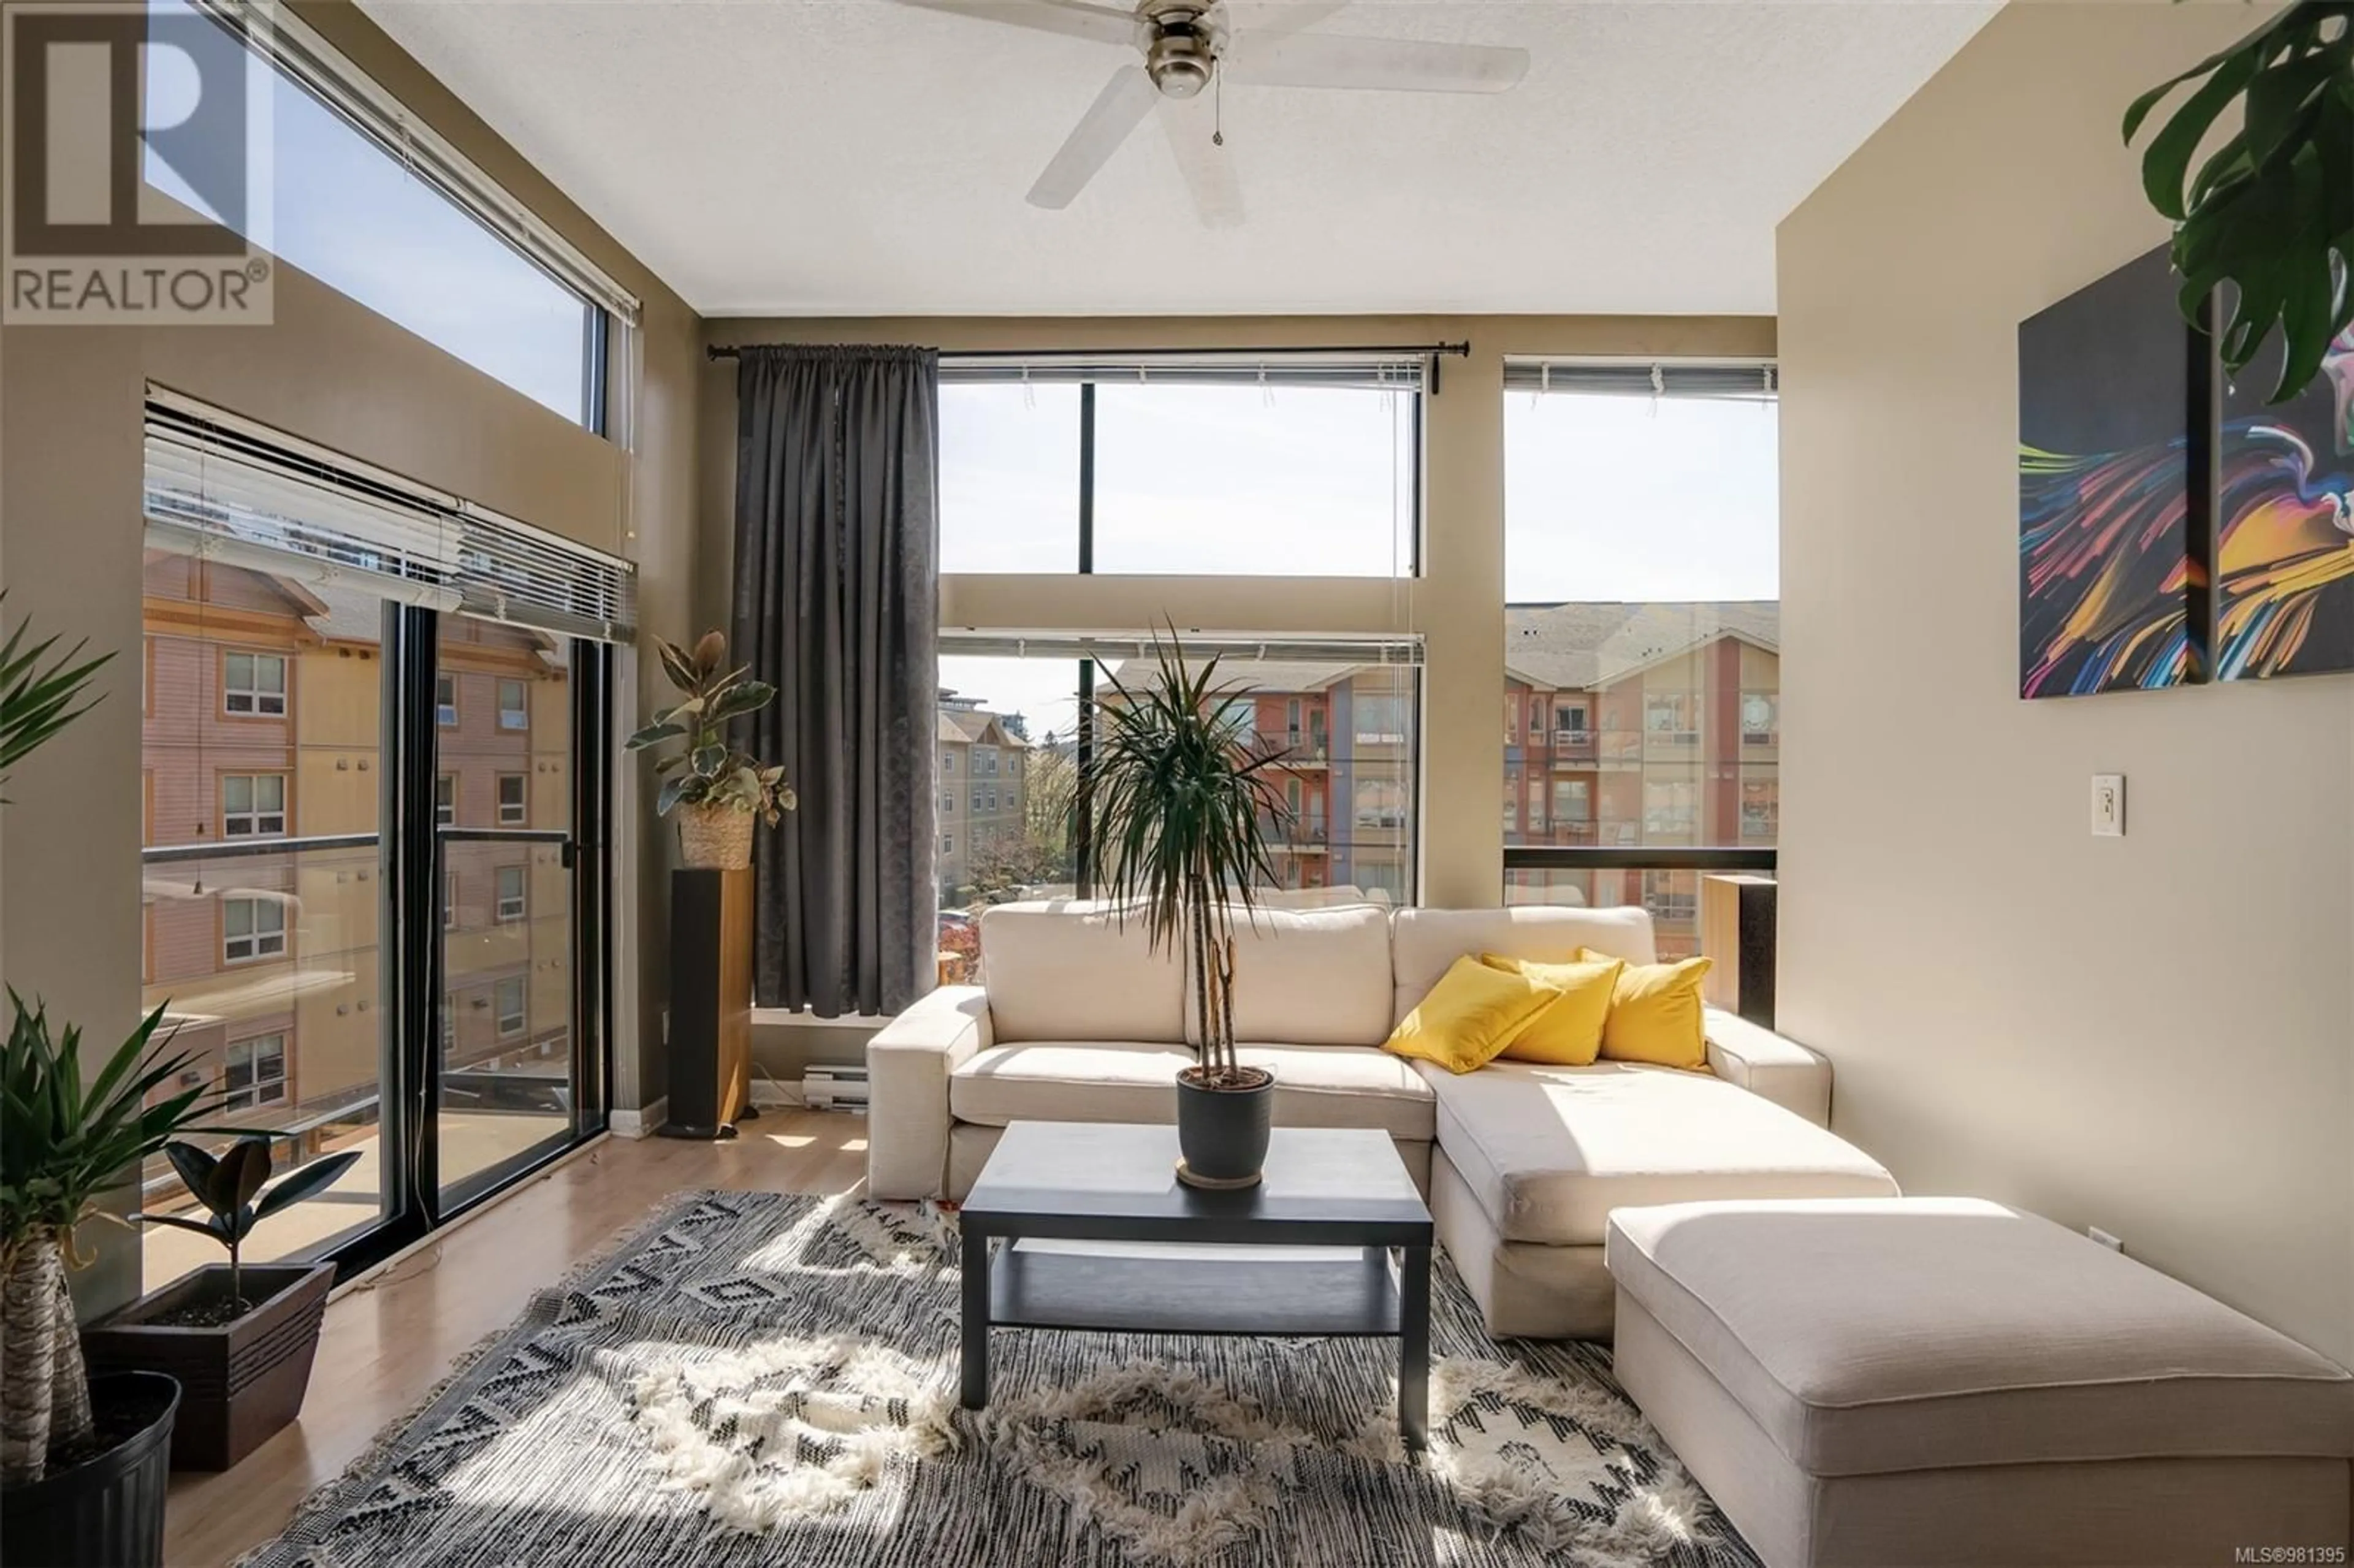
x=837, y=604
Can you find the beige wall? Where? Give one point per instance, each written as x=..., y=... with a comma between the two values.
x=334, y=372
x=1458, y=605
x=2152, y=1034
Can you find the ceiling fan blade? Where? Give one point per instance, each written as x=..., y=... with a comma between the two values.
x=1334, y=60
x=1124, y=101
x=1263, y=19
x=1072, y=18
x=1208, y=168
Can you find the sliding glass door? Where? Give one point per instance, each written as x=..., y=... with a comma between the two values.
x=261, y=887
x=507, y=1088
x=375, y=881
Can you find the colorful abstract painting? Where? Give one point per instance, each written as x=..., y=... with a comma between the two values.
x=2113, y=465
x=2285, y=523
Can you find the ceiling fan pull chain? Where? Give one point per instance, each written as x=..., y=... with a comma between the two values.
x=1218, y=108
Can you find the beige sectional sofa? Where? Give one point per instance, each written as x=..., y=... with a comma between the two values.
x=1077, y=1020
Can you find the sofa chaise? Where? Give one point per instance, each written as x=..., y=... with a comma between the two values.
x=1522, y=1164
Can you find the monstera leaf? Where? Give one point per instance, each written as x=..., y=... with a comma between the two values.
x=2271, y=211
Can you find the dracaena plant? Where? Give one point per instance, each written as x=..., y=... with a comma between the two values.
x=62, y=1146
x=1180, y=802
x=230, y=1186
x=707, y=769
x=2270, y=210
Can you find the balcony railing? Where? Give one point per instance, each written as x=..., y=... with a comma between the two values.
x=1665, y=880
x=1640, y=857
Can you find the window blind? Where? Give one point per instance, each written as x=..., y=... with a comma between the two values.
x=1239, y=650
x=274, y=32
x=225, y=488
x=1753, y=380
x=1377, y=370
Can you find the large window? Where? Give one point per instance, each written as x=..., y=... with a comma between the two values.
x=352, y=214
x=299, y=807
x=1233, y=469
x=1641, y=571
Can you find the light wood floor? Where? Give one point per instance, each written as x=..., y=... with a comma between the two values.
x=389, y=1340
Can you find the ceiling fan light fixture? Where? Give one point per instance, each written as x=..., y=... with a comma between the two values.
x=1184, y=53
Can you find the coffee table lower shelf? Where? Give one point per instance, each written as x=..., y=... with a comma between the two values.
x=1199, y=1291
x=1112, y=1292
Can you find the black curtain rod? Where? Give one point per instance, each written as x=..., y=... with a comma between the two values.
x=1463, y=349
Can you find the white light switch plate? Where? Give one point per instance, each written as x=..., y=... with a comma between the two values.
x=2109, y=805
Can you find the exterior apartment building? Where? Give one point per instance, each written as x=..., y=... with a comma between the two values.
x=983, y=766
x=1343, y=735
x=1632, y=724
x=263, y=720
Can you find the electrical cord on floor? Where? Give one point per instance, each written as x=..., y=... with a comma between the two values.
x=430, y=1259
x=424, y=1264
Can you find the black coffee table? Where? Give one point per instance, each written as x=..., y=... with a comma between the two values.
x=1052, y=1182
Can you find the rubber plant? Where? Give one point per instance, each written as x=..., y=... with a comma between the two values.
x=706, y=772
x=2270, y=210
x=1175, y=802
x=229, y=1186
x=62, y=1146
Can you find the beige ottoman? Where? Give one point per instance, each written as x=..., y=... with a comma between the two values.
x=1943, y=1381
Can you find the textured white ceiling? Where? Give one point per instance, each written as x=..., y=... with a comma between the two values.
x=839, y=157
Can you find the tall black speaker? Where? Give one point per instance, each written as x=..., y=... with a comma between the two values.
x=710, y=1003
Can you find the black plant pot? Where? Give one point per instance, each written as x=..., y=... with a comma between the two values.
x=108, y=1510
x=1221, y=1132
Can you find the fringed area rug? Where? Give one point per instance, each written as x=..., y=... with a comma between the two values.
x=755, y=1378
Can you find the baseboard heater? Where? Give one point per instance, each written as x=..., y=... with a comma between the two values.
x=835, y=1088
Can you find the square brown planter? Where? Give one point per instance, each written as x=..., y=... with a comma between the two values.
x=240, y=1382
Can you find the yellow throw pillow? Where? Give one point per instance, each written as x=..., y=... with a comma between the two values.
x=1568, y=1033
x=1469, y=1015
x=1655, y=1014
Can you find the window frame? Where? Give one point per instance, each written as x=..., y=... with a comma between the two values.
x=1243, y=374
x=255, y=933
x=294, y=56
x=255, y=1100
x=521, y=711
x=522, y=899
x=522, y=806
x=520, y=1017
x=252, y=692
x=446, y=715
x=254, y=814
x=445, y=812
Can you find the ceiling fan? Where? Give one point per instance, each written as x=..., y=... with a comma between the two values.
x=1189, y=45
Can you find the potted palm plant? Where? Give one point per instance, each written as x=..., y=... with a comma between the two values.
x=83, y=1463
x=1176, y=802
x=239, y=1337
x=718, y=791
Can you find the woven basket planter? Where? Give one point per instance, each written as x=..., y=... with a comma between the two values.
x=716, y=838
